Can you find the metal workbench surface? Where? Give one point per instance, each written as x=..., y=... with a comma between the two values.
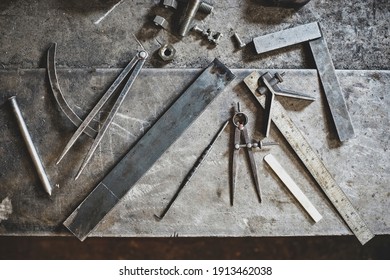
x=360, y=165
x=95, y=38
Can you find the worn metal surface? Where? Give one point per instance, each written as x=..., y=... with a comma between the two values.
x=287, y=37
x=149, y=148
x=90, y=34
x=360, y=166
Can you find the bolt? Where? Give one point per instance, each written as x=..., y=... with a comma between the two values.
x=197, y=29
x=241, y=44
x=276, y=79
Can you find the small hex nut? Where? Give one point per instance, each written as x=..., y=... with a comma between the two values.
x=167, y=52
x=170, y=4
x=160, y=21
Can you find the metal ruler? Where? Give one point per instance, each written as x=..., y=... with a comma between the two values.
x=313, y=164
x=149, y=148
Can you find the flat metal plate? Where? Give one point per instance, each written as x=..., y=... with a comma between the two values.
x=149, y=148
x=203, y=208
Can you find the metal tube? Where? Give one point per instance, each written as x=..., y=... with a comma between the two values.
x=30, y=145
x=189, y=14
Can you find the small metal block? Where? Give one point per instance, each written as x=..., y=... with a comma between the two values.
x=170, y=4
x=167, y=52
x=160, y=21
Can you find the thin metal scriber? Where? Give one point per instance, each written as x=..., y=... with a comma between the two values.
x=191, y=173
x=137, y=62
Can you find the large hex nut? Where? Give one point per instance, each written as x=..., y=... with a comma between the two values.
x=167, y=52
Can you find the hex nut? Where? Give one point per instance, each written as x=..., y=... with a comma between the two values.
x=206, y=8
x=160, y=21
x=170, y=4
x=167, y=52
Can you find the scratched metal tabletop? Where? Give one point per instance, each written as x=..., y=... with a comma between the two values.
x=94, y=42
x=360, y=166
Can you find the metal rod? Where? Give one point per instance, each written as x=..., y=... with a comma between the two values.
x=189, y=175
x=189, y=14
x=30, y=145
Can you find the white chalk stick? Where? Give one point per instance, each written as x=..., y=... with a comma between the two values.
x=293, y=188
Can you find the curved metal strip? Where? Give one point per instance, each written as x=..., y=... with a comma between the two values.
x=55, y=87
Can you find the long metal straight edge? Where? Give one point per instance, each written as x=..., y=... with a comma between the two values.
x=313, y=164
x=58, y=95
x=331, y=85
x=287, y=37
x=166, y=130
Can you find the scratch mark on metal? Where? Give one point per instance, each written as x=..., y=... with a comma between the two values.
x=127, y=133
x=131, y=118
x=5, y=209
x=107, y=13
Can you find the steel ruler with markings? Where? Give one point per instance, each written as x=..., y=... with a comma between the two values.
x=313, y=164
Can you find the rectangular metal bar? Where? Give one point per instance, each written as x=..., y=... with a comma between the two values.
x=149, y=148
x=287, y=37
x=332, y=89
